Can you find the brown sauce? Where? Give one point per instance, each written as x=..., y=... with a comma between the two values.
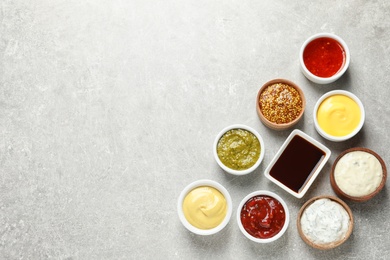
x=297, y=163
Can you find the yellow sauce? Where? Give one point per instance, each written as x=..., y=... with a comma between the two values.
x=205, y=207
x=338, y=115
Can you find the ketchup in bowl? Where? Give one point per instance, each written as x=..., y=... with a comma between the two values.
x=263, y=216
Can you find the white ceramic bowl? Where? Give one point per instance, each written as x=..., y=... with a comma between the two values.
x=265, y=193
x=324, y=80
x=301, y=159
x=201, y=183
x=345, y=137
x=232, y=171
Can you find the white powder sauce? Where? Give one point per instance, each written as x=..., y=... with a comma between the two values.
x=325, y=221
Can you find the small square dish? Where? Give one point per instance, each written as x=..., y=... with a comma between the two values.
x=297, y=163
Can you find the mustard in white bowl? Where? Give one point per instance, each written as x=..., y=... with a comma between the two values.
x=338, y=115
x=204, y=207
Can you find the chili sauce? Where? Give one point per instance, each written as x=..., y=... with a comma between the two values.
x=324, y=57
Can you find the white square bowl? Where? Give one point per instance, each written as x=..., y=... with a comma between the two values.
x=300, y=159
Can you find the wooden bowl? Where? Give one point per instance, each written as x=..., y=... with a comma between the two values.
x=274, y=125
x=346, y=196
x=332, y=244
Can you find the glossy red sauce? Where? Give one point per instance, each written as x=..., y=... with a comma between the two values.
x=263, y=216
x=324, y=57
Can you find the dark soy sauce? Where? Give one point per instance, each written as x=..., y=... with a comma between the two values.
x=297, y=163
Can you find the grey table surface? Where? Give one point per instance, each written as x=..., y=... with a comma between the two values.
x=108, y=109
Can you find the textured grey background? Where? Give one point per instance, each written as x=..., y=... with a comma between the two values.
x=108, y=109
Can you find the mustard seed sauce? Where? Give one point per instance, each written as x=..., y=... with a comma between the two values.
x=280, y=103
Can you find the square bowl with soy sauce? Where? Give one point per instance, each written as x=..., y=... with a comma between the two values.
x=297, y=163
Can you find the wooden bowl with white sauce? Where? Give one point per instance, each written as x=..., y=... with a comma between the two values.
x=358, y=174
x=325, y=222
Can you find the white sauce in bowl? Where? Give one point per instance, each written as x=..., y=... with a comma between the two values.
x=325, y=221
x=358, y=173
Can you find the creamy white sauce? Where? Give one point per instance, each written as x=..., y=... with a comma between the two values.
x=358, y=173
x=325, y=221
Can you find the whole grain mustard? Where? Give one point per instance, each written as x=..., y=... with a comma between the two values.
x=280, y=103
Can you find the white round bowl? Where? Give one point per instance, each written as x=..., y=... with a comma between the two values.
x=324, y=80
x=232, y=171
x=201, y=183
x=265, y=193
x=338, y=138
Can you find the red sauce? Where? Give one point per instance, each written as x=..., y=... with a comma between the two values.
x=263, y=216
x=324, y=57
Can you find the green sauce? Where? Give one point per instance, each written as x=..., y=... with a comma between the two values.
x=238, y=149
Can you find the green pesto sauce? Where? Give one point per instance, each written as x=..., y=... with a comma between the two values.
x=238, y=149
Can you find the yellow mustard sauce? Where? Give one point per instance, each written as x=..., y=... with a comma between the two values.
x=338, y=115
x=205, y=207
